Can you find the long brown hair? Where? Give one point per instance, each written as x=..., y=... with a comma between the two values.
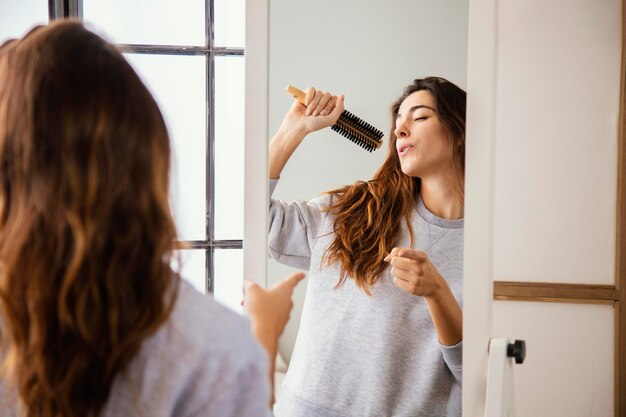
x=368, y=214
x=86, y=230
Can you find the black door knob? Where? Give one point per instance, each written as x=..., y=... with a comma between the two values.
x=517, y=350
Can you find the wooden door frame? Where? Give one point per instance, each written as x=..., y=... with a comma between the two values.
x=620, y=250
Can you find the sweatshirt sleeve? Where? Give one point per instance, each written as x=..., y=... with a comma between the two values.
x=294, y=228
x=453, y=357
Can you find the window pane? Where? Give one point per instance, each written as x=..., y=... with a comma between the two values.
x=16, y=17
x=179, y=86
x=228, y=285
x=160, y=22
x=229, y=19
x=193, y=269
x=229, y=142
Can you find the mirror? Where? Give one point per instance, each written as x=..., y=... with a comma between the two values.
x=369, y=53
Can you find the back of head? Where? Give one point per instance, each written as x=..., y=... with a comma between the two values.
x=85, y=225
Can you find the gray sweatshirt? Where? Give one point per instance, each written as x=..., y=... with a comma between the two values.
x=203, y=362
x=358, y=355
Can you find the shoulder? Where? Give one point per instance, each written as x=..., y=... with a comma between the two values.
x=200, y=358
x=201, y=340
x=204, y=341
x=206, y=325
x=322, y=200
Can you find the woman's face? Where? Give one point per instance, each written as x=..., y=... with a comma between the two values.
x=422, y=140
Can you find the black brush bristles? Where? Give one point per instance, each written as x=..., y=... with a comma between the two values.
x=358, y=131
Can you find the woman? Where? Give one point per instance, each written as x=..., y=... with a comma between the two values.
x=94, y=322
x=381, y=328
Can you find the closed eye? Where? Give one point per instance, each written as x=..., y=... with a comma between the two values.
x=421, y=118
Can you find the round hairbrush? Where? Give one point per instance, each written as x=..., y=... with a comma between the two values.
x=350, y=126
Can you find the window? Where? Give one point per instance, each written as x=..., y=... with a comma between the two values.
x=19, y=16
x=190, y=55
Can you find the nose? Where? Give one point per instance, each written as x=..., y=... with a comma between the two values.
x=401, y=131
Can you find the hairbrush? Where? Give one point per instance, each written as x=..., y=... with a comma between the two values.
x=355, y=129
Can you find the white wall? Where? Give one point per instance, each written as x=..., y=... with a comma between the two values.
x=556, y=84
x=368, y=50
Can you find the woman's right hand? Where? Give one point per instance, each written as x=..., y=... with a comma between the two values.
x=269, y=309
x=321, y=109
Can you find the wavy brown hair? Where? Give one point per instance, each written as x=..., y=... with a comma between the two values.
x=86, y=230
x=368, y=214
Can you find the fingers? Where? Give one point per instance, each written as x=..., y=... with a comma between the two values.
x=320, y=103
x=408, y=276
x=339, y=106
x=414, y=273
x=288, y=284
x=394, y=252
x=310, y=94
x=325, y=105
x=312, y=100
x=249, y=285
x=295, y=278
x=416, y=255
x=407, y=267
x=338, y=109
x=409, y=287
x=291, y=281
x=250, y=288
x=403, y=266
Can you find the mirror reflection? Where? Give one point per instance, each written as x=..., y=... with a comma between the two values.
x=348, y=340
x=345, y=49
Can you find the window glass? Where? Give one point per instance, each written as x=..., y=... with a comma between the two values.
x=229, y=147
x=17, y=17
x=157, y=22
x=193, y=267
x=228, y=288
x=229, y=17
x=179, y=86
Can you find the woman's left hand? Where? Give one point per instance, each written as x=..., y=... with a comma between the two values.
x=414, y=272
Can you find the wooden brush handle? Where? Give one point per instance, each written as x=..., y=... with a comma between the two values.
x=297, y=94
